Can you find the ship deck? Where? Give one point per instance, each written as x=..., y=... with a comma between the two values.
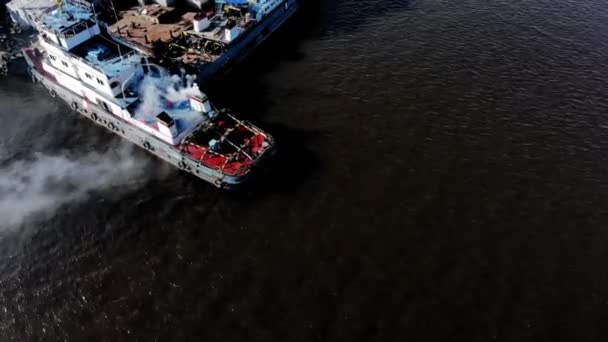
x=169, y=33
x=152, y=25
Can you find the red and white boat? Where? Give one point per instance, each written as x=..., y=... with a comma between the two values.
x=117, y=88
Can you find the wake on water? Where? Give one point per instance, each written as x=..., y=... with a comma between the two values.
x=44, y=182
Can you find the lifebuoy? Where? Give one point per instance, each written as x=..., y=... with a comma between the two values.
x=74, y=106
x=52, y=93
x=111, y=126
x=94, y=116
x=217, y=182
x=147, y=146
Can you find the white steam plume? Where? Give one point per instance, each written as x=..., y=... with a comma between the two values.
x=156, y=93
x=44, y=183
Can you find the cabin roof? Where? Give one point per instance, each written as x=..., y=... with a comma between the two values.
x=107, y=56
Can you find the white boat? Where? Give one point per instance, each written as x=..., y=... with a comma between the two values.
x=118, y=88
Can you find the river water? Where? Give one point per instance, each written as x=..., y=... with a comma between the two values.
x=442, y=175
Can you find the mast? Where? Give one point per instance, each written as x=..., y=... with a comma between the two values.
x=60, y=5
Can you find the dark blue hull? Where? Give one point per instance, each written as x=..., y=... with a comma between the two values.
x=249, y=41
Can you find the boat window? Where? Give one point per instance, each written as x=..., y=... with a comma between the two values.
x=100, y=81
x=88, y=75
x=52, y=57
x=65, y=64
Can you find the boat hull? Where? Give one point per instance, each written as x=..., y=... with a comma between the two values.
x=169, y=153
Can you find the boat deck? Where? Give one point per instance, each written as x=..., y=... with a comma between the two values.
x=152, y=26
x=178, y=35
x=227, y=144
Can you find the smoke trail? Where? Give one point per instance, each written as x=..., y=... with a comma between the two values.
x=44, y=183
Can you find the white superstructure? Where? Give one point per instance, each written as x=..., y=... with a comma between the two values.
x=82, y=59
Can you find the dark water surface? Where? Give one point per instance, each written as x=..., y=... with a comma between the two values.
x=442, y=176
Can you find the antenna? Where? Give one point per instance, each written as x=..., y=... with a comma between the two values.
x=114, y=10
x=60, y=4
x=92, y=5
